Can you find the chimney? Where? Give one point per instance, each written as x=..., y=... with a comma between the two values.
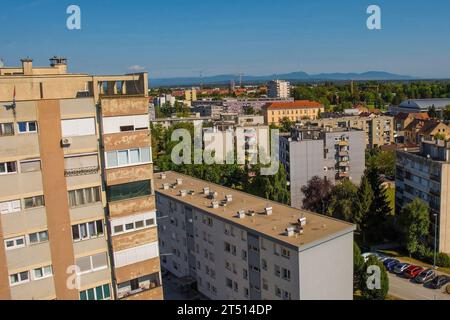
x=59, y=63
x=27, y=66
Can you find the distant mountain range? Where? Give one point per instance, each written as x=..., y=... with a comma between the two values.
x=293, y=76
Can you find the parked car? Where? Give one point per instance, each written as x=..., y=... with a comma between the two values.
x=390, y=265
x=425, y=276
x=369, y=254
x=439, y=282
x=401, y=267
x=412, y=271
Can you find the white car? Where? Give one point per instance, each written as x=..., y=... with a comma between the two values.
x=369, y=254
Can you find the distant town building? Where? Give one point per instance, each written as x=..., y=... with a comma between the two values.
x=295, y=111
x=279, y=89
x=164, y=99
x=402, y=120
x=424, y=173
x=419, y=105
x=333, y=154
x=240, y=247
x=419, y=130
x=190, y=95
x=379, y=130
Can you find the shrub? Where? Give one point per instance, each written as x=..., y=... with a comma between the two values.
x=443, y=260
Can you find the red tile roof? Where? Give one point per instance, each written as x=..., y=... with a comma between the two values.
x=294, y=104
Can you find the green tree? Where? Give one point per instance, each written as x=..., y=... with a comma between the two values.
x=362, y=205
x=342, y=198
x=414, y=221
x=272, y=187
x=432, y=113
x=286, y=124
x=447, y=113
x=358, y=267
x=368, y=291
x=380, y=209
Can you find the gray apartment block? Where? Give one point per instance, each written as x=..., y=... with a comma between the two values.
x=334, y=155
x=425, y=174
x=240, y=247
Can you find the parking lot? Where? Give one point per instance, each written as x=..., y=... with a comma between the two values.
x=407, y=290
x=404, y=288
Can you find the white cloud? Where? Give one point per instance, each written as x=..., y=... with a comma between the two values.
x=136, y=67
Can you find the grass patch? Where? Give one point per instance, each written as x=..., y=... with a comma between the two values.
x=390, y=192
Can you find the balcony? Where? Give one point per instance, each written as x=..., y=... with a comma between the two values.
x=81, y=171
x=138, y=286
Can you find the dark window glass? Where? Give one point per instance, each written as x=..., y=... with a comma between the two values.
x=129, y=190
x=75, y=233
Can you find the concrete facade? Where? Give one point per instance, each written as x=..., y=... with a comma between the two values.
x=56, y=185
x=334, y=155
x=425, y=174
x=241, y=250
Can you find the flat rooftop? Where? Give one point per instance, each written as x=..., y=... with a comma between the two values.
x=318, y=228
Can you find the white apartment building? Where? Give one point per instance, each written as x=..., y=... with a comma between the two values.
x=241, y=247
x=279, y=89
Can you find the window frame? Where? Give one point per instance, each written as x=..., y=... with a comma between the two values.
x=15, y=246
x=19, y=274
x=115, y=153
x=27, y=127
x=2, y=129
x=89, y=236
x=44, y=276
x=5, y=166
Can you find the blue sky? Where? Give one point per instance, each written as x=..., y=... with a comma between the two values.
x=181, y=38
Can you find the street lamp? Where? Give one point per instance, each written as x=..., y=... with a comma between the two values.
x=435, y=240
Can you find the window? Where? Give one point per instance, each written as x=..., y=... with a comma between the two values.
x=128, y=157
x=6, y=129
x=78, y=127
x=42, y=273
x=129, y=190
x=133, y=223
x=285, y=253
x=38, y=237
x=89, y=230
x=99, y=293
x=10, y=206
x=34, y=202
x=92, y=263
x=8, y=167
x=15, y=243
x=125, y=123
x=30, y=166
x=265, y=284
x=286, y=274
x=264, y=264
x=229, y=283
x=277, y=271
x=19, y=278
x=84, y=196
x=27, y=126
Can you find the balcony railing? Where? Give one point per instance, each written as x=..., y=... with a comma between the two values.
x=142, y=288
x=81, y=171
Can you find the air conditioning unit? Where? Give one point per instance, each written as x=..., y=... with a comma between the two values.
x=66, y=142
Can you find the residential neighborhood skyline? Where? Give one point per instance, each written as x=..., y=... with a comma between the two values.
x=178, y=39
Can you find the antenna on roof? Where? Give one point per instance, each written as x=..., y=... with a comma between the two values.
x=2, y=63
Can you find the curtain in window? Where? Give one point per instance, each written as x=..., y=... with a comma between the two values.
x=129, y=190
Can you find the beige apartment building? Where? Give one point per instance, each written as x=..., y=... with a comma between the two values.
x=240, y=247
x=295, y=111
x=76, y=187
x=379, y=129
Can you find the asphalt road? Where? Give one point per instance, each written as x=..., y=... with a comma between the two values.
x=407, y=290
